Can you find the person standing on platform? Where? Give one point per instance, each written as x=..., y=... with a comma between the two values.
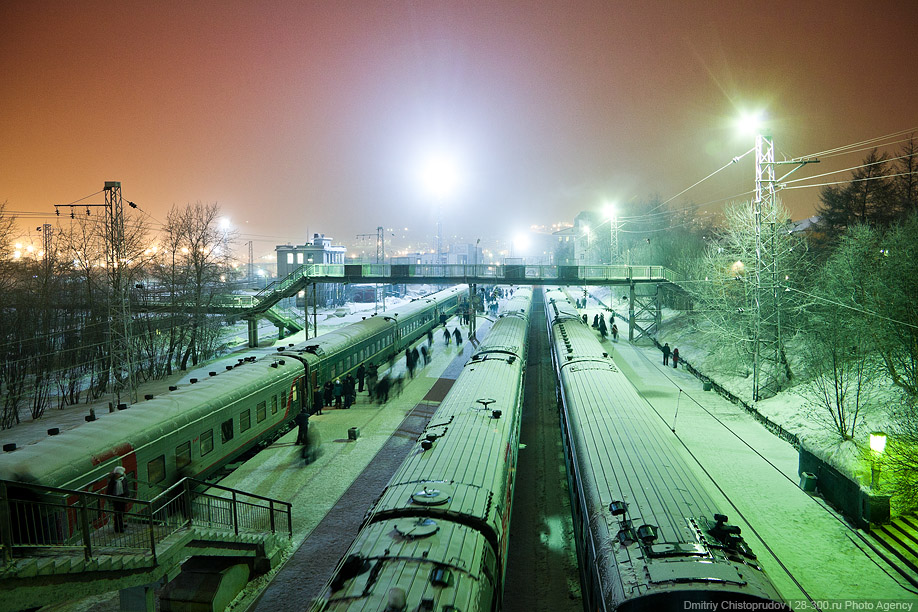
x=302, y=421
x=327, y=392
x=361, y=374
x=675, y=358
x=316, y=400
x=349, y=391
x=429, y=338
x=372, y=379
x=118, y=487
x=338, y=392
x=666, y=352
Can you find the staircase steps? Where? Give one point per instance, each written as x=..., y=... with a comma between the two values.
x=899, y=545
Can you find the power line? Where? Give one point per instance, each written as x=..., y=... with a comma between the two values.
x=859, y=180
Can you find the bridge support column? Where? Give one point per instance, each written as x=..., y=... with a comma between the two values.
x=658, y=311
x=280, y=331
x=631, y=312
x=253, y=333
x=137, y=599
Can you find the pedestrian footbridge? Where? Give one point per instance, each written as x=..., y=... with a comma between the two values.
x=61, y=545
x=451, y=274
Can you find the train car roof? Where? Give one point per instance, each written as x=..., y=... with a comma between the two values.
x=53, y=459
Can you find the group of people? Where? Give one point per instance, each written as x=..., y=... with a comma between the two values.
x=599, y=323
x=667, y=353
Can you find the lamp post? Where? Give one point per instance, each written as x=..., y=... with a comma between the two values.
x=611, y=215
x=877, y=446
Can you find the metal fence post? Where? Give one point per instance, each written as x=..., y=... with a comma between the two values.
x=235, y=515
x=152, y=532
x=6, y=524
x=84, y=526
x=189, y=508
x=271, y=510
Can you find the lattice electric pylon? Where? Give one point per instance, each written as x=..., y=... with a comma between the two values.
x=121, y=362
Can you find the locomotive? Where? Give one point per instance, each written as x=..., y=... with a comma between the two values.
x=648, y=534
x=437, y=537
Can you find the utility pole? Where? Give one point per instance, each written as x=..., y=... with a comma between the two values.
x=768, y=350
x=251, y=270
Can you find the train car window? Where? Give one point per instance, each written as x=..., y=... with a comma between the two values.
x=183, y=455
x=245, y=419
x=273, y=404
x=207, y=442
x=261, y=411
x=226, y=431
x=294, y=395
x=156, y=470
x=284, y=399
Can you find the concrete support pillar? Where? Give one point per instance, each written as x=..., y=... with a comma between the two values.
x=280, y=331
x=253, y=333
x=137, y=599
x=631, y=311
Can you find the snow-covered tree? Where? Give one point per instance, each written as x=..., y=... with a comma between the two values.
x=724, y=290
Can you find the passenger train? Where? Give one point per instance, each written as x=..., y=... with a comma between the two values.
x=437, y=537
x=648, y=534
x=197, y=428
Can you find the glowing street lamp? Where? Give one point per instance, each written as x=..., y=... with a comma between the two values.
x=877, y=447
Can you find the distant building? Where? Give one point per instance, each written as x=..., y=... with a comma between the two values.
x=582, y=244
x=318, y=251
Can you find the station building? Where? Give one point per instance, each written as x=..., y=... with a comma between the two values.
x=318, y=251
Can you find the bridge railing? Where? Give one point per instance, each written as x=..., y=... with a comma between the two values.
x=37, y=518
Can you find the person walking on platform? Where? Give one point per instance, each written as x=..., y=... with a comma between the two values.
x=118, y=487
x=302, y=421
x=458, y=336
x=426, y=355
x=361, y=374
x=666, y=352
x=446, y=336
x=585, y=319
x=372, y=379
x=429, y=338
x=675, y=358
x=595, y=321
x=614, y=332
x=382, y=390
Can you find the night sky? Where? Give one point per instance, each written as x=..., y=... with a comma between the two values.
x=300, y=117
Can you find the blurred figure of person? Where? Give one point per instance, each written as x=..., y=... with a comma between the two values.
x=118, y=487
x=446, y=336
x=302, y=421
x=458, y=336
x=409, y=362
x=585, y=319
x=372, y=379
x=429, y=338
x=397, y=384
x=426, y=355
x=614, y=332
x=675, y=358
x=327, y=393
x=666, y=352
x=603, y=330
x=311, y=446
x=382, y=390
x=361, y=374
x=595, y=321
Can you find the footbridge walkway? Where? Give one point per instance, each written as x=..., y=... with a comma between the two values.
x=644, y=306
x=59, y=545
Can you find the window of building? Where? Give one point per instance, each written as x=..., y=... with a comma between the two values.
x=299, y=258
x=207, y=442
x=261, y=411
x=289, y=258
x=183, y=455
x=226, y=430
x=156, y=470
x=245, y=419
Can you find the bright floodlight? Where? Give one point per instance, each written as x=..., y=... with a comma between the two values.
x=225, y=224
x=878, y=442
x=750, y=122
x=609, y=210
x=521, y=243
x=440, y=176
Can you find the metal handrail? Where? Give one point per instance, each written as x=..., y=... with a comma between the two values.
x=36, y=517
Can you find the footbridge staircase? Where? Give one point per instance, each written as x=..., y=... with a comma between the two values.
x=61, y=545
